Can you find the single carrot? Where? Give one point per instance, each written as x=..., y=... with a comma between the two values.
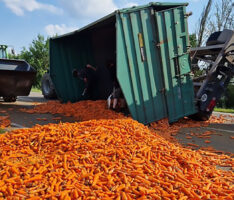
x=95, y=179
x=35, y=178
x=34, y=198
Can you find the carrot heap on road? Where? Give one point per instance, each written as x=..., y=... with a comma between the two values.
x=88, y=110
x=107, y=159
x=81, y=111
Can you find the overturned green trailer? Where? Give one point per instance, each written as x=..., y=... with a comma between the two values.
x=150, y=47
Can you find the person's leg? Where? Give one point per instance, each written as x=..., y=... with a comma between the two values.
x=109, y=99
x=122, y=103
x=115, y=102
x=92, y=91
x=116, y=96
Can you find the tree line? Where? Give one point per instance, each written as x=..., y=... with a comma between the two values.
x=37, y=55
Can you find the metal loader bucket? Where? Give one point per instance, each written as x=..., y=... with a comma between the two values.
x=16, y=78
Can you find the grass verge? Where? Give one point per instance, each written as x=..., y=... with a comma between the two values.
x=226, y=110
x=35, y=89
x=2, y=131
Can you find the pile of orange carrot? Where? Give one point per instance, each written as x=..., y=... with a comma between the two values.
x=166, y=130
x=88, y=110
x=107, y=159
x=81, y=111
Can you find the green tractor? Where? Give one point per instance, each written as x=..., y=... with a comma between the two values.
x=16, y=77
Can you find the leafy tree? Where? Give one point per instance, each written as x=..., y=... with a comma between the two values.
x=229, y=97
x=193, y=40
x=37, y=55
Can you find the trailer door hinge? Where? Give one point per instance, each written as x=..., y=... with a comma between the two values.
x=188, y=14
x=163, y=91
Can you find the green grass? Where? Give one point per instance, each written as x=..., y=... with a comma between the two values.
x=226, y=110
x=2, y=131
x=35, y=89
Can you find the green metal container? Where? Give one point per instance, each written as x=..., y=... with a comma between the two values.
x=150, y=46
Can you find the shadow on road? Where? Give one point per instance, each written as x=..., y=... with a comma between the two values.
x=21, y=119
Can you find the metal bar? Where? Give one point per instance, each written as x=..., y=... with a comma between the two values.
x=218, y=46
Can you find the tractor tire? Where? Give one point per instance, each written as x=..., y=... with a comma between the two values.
x=212, y=40
x=10, y=99
x=47, y=87
x=200, y=116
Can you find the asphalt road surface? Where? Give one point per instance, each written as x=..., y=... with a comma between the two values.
x=21, y=119
x=220, y=139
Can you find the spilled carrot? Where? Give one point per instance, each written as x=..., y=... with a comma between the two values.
x=107, y=159
x=4, y=122
x=41, y=119
x=81, y=111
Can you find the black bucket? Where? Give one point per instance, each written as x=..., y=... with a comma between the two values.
x=16, y=78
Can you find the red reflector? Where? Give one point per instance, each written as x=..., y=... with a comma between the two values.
x=211, y=105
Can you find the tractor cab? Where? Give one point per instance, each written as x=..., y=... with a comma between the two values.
x=3, y=52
